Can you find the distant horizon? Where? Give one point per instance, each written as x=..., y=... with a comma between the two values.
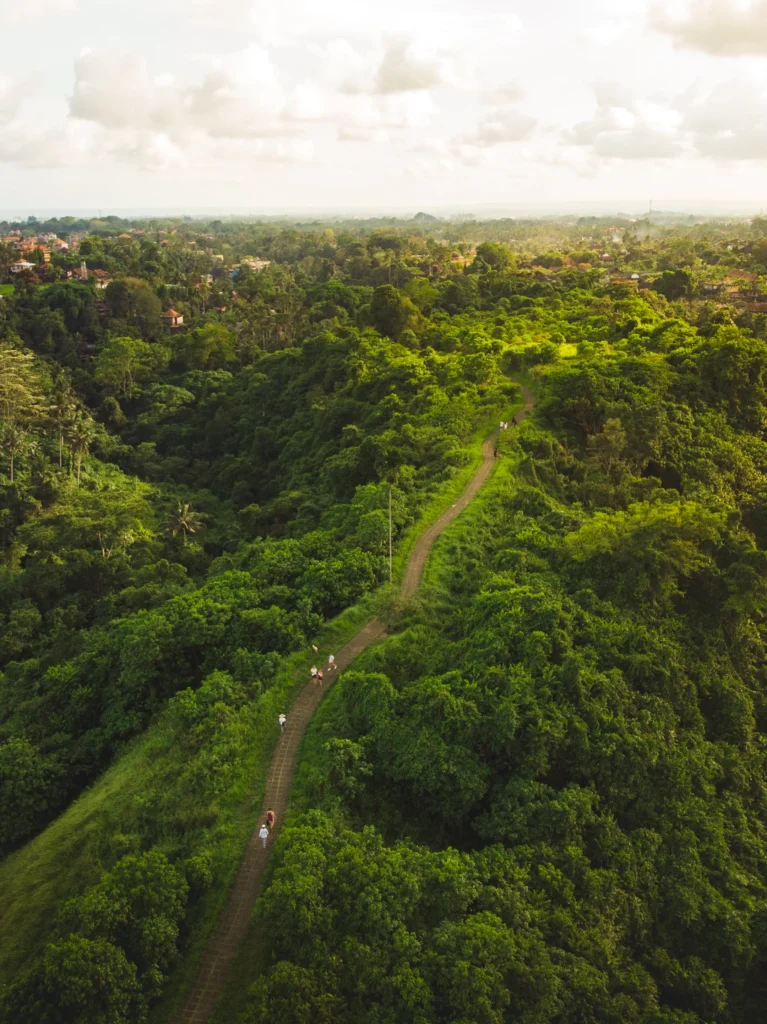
x=481, y=211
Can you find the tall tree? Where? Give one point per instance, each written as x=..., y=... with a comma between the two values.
x=13, y=439
x=123, y=362
x=63, y=410
x=183, y=519
x=80, y=432
x=21, y=399
x=390, y=311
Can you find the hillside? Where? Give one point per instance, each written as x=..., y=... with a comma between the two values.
x=541, y=798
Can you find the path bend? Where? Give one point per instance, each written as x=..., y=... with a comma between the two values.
x=225, y=939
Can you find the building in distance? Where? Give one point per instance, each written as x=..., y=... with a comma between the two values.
x=171, y=318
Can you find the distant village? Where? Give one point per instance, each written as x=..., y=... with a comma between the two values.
x=43, y=259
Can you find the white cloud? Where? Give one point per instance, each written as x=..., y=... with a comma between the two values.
x=405, y=67
x=369, y=117
x=622, y=128
x=730, y=123
x=397, y=65
x=15, y=14
x=115, y=89
x=341, y=67
x=718, y=27
x=56, y=146
x=119, y=113
x=239, y=97
x=500, y=95
x=77, y=143
x=362, y=133
x=263, y=95
x=13, y=92
x=501, y=125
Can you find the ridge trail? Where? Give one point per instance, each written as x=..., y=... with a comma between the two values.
x=224, y=941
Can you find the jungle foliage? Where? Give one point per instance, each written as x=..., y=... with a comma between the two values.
x=543, y=800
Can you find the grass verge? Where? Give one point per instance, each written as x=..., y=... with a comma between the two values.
x=451, y=489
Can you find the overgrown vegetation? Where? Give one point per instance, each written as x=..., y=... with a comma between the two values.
x=543, y=800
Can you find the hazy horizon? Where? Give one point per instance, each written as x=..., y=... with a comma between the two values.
x=488, y=211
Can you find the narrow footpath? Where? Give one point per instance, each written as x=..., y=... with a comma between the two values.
x=225, y=939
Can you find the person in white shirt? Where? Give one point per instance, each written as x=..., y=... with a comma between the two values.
x=331, y=662
x=263, y=834
x=283, y=720
x=314, y=671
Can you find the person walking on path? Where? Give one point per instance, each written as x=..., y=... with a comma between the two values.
x=320, y=676
x=270, y=820
x=263, y=835
x=283, y=720
x=314, y=671
x=331, y=662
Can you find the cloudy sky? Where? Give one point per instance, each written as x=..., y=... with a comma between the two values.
x=296, y=104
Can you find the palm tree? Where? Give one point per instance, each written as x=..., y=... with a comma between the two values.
x=80, y=432
x=185, y=520
x=387, y=258
x=63, y=412
x=12, y=440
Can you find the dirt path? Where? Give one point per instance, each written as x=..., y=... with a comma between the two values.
x=226, y=937
x=417, y=561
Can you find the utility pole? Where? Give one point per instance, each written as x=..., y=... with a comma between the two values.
x=391, y=576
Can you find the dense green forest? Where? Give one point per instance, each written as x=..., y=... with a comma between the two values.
x=542, y=799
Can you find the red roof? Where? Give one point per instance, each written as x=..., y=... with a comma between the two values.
x=171, y=312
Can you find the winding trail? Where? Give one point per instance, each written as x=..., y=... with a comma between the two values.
x=229, y=932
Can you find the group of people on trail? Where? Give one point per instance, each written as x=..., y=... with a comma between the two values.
x=266, y=828
x=317, y=673
x=317, y=677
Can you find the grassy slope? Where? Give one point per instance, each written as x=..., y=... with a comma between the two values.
x=452, y=488
x=68, y=855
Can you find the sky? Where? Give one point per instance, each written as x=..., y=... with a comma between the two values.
x=400, y=106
